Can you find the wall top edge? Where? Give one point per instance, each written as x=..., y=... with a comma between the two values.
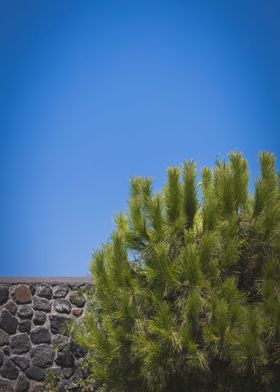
x=73, y=280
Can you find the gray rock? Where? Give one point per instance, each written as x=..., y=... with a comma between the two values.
x=65, y=358
x=53, y=371
x=6, y=350
x=25, y=311
x=36, y=387
x=59, y=341
x=6, y=386
x=22, y=294
x=80, y=372
x=32, y=289
x=24, y=326
x=4, y=338
x=68, y=372
x=8, y=370
x=35, y=373
x=33, y=343
x=62, y=306
x=40, y=335
x=42, y=355
x=60, y=291
x=39, y=318
x=77, y=299
x=58, y=324
x=20, y=343
x=4, y=294
x=22, y=362
x=62, y=386
x=77, y=350
x=44, y=291
x=8, y=322
x=22, y=384
x=11, y=307
x=41, y=304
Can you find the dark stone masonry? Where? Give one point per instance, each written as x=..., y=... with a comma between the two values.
x=34, y=341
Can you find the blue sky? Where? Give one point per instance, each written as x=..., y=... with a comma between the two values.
x=95, y=92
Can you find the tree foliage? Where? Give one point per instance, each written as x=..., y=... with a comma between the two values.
x=186, y=292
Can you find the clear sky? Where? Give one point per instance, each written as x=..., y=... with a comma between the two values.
x=95, y=92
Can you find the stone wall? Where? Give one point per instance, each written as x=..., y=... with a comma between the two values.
x=33, y=337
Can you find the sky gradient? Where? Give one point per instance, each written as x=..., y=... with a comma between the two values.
x=93, y=93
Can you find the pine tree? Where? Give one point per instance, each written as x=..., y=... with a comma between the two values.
x=186, y=292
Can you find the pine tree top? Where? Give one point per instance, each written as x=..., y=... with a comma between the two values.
x=187, y=294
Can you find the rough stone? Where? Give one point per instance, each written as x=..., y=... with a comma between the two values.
x=64, y=357
x=4, y=338
x=6, y=350
x=8, y=322
x=11, y=307
x=67, y=385
x=22, y=384
x=41, y=304
x=42, y=355
x=81, y=371
x=62, y=306
x=39, y=318
x=60, y=291
x=20, y=343
x=59, y=341
x=35, y=373
x=44, y=290
x=24, y=326
x=22, y=362
x=40, y=335
x=77, y=299
x=77, y=350
x=54, y=371
x=58, y=324
x=64, y=385
x=4, y=294
x=35, y=387
x=25, y=311
x=6, y=386
x=77, y=312
x=9, y=370
x=68, y=372
x=34, y=343
x=32, y=289
x=22, y=294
